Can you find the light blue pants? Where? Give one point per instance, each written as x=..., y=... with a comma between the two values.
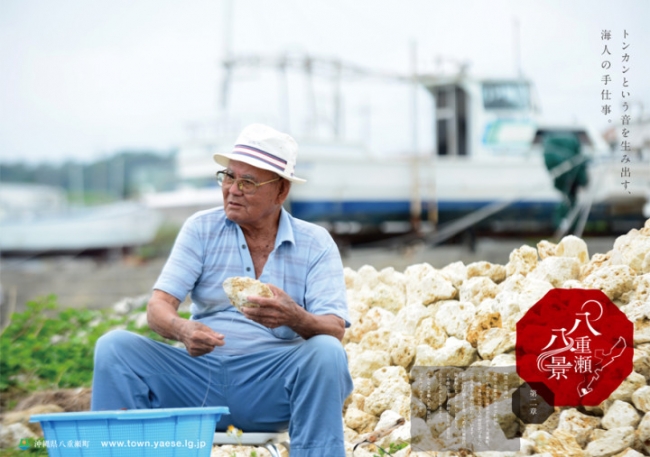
x=300, y=387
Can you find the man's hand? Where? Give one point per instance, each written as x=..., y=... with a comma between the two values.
x=198, y=338
x=274, y=312
x=282, y=310
x=163, y=318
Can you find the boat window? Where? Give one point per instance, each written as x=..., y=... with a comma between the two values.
x=451, y=120
x=581, y=134
x=441, y=99
x=506, y=95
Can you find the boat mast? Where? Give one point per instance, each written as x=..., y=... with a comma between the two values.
x=416, y=199
x=226, y=59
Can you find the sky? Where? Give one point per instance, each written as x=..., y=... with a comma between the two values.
x=83, y=79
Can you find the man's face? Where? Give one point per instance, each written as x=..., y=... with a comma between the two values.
x=252, y=209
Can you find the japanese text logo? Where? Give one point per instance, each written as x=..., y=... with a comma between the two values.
x=578, y=344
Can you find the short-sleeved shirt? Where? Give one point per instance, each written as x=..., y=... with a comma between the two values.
x=210, y=248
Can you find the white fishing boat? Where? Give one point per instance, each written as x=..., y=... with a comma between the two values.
x=487, y=171
x=38, y=220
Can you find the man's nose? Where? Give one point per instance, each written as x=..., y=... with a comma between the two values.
x=234, y=187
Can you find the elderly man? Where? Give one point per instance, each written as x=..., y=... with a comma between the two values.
x=280, y=365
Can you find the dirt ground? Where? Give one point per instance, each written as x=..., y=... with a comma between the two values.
x=92, y=283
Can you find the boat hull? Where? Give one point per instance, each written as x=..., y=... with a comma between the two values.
x=373, y=195
x=119, y=225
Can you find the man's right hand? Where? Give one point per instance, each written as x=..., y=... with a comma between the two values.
x=198, y=338
x=163, y=318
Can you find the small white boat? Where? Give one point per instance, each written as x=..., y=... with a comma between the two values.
x=36, y=219
x=177, y=205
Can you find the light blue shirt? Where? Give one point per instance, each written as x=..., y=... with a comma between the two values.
x=210, y=248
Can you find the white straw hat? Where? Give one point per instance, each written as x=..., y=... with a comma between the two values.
x=263, y=147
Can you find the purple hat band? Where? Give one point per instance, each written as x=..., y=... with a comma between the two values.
x=263, y=156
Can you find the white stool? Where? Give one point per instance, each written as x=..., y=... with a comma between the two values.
x=267, y=440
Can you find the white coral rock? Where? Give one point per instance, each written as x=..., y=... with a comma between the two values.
x=639, y=313
x=629, y=385
x=633, y=247
x=359, y=421
x=643, y=431
x=612, y=442
x=378, y=340
x=363, y=386
x=430, y=333
x=495, y=272
x=580, y=425
x=503, y=360
x=384, y=296
x=372, y=320
x=557, y=270
x=641, y=290
x=350, y=276
x=485, y=318
x=613, y=280
x=365, y=363
x=572, y=246
x=239, y=288
x=409, y=317
x=390, y=394
x=367, y=276
x=620, y=414
x=641, y=398
x=455, y=317
x=456, y=272
x=495, y=341
x=522, y=261
x=401, y=434
x=426, y=285
x=386, y=373
x=439, y=421
x=477, y=289
x=401, y=349
x=455, y=352
x=393, y=278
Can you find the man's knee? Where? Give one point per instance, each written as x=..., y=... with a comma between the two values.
x=325, y=346
x=325, y=354
x=114, y=343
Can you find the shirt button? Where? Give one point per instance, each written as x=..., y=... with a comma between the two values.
x=243, y=246
x=248, y=268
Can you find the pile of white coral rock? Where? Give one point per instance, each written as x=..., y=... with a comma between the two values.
x=465, y=315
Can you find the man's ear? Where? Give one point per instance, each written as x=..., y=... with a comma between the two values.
x=283, y=191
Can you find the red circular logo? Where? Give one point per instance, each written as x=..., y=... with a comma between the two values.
x=577, y=343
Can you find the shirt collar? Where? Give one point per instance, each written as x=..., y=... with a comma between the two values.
x=285, y=230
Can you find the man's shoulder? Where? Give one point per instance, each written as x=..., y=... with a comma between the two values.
x=208, y=216
x=310, y=233
x=207, y=222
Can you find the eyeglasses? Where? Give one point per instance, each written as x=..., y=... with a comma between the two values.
x=247, y=186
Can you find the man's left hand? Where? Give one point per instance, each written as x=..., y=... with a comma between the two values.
x=282, y=310
x=274, y=312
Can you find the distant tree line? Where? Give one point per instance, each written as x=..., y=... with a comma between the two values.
x=125, y=174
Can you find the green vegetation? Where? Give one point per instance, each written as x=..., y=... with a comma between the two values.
x=46, y=347
x=392, y=448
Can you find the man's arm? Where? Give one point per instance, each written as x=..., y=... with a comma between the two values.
x=163, y=318
x=282, y=310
